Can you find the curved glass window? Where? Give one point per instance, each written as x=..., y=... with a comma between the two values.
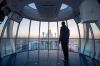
x=88, y=45
x=44, y=35
x=73, y=29
x=5, y=33
x=96, y=31
x=81, y=30
x=34, y=35
x=97, y=40
x=3, y=43
x=44, y=30
x=2, y=25
x=59, y=26
x=53, y=28
x=74, y=35
x=28, y=37
x=82, y=36
x=34, y=30
x=24, y=28
x=7, y=40
x=15, y=26
x=22, y=38
x=53, y=35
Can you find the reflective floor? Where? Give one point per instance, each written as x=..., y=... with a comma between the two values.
x=47, y=58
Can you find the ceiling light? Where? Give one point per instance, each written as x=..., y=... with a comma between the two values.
x=32, y=5
x=63, y=6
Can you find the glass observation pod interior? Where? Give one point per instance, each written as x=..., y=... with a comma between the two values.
x=38, y=35
x=31, y=35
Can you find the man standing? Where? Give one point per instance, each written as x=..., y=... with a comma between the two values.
x=64, y=39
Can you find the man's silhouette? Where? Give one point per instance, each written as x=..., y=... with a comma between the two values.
x=64, y=39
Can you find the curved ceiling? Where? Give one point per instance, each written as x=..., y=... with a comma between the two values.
x=46, y=10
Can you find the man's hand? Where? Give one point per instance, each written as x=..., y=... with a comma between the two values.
x=59, y=41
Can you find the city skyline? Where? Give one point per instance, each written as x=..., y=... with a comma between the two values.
x=34, y=30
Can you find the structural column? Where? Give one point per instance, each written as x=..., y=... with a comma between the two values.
x=10, y=35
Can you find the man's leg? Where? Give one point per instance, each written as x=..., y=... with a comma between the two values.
x=65, y=51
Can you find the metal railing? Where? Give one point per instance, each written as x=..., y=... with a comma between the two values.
x=31, y=44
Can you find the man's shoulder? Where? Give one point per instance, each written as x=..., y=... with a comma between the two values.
x=65, y=27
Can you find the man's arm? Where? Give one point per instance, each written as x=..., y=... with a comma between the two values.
x=60, y=36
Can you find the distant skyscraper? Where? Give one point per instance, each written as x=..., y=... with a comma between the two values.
x=43, y=34
x=55, y=35
x=50, y=34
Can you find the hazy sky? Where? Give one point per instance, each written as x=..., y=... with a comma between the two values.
x=24, y=27
x=34, y=31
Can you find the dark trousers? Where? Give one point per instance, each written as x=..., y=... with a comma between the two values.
x=65, y=50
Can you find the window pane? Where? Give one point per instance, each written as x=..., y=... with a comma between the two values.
x=44, y=35
x=74, y=35
x=88, y=45
x=44, y=29
x=22, y=40
x=5, y=33
x=73, y=29
x=53, y=34
x=1, y=25
x=34, y=35
x=97, y=40
x=59, y=26
x=81, y=30
x=82, y=36
x=24, y=28
x=34, y=31
x=53, y=28
x=15, y=26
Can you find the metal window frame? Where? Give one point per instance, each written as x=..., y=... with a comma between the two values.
x=66, y=23
x=87, y=26
x=2, y=33
x=29, y=33
x=48, y=43
x=86, y=35
x=79, y=41
x=8, y=29
x=79, y=35
x=39, y=43
x=93, y=39
x=28, y=42
x=17, y=37
x=58, y=44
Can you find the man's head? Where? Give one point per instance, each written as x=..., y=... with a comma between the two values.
x=63, y=23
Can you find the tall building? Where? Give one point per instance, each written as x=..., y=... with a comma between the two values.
x=49, y=34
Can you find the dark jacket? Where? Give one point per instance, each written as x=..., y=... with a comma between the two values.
x=64, y=34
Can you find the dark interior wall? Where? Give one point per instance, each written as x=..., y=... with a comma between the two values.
x=98, y=1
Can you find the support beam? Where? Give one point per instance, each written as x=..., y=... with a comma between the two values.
x=10, y=41
x=2, y=34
